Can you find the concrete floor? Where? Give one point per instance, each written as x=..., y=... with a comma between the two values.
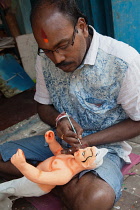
x=130, y=199
x=131, y=187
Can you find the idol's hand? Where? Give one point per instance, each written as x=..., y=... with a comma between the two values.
x=18, y=159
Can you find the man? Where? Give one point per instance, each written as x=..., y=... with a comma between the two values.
x=96, y=80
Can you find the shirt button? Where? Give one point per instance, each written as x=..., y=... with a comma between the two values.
x=73, y=76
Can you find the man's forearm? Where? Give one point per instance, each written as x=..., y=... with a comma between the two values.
x=47, y=114
x=122, y=131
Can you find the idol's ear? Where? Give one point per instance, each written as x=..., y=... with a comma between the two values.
x=49, y=136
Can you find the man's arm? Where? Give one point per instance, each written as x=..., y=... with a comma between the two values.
x=122, y=131
x=47, y=113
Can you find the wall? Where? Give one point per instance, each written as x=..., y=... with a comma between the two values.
x=126, y=21
x=22, y=10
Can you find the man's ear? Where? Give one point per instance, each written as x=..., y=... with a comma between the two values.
x=81, y=25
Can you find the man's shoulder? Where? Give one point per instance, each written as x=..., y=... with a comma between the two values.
x=117, y=48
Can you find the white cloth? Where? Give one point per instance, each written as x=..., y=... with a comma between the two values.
x=21, y=187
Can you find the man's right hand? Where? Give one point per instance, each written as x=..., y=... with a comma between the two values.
x=65, y=131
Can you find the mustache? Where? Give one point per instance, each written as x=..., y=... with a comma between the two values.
x=63, y=63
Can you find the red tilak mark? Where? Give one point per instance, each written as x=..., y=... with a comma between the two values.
x=46, y=40
x=44, y=36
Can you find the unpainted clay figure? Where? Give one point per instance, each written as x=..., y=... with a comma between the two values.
x=56, y=170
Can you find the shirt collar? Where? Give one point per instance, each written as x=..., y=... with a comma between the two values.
x=93, y=49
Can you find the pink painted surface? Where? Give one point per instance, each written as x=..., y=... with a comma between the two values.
x=135, y=159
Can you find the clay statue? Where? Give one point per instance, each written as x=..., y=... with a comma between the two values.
x=56, y=170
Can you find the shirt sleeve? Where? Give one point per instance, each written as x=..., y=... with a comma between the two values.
x=129, y=96
x=42, y=94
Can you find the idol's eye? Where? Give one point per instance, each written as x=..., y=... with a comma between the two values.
x=97, y=153
x=83, y=153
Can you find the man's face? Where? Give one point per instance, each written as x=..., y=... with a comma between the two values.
x=63, y=43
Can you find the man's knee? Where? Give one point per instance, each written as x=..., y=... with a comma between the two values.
x=89, y=192
x=100, y=199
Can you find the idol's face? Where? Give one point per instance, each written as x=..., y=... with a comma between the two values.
x=86, y=156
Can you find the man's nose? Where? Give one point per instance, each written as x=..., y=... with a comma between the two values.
x=58, y=57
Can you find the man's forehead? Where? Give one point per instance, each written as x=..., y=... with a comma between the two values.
x=50, y=29
x=52, y=19
x=44, y=36
x=53, y=16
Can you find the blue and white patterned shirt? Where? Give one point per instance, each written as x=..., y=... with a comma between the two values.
x=95, y=93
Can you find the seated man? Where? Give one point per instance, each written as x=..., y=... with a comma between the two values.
x=56, y=170
x=96, y=80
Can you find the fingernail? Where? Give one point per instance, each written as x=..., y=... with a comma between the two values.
x=84, y=146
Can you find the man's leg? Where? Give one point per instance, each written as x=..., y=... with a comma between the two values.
x=97, y=189
x=88, y=192
x=8, y=169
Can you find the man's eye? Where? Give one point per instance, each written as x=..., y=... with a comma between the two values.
x=64, y=46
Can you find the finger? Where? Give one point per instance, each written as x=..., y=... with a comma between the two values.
x=13, y=157
x=79, y=133
x=69, y=137
x=83, y=146
x=71, y=134
x=71, y=151
x=71, y=141
x=18, y=152
x=79, y=136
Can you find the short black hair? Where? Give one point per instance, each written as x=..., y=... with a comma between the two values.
x=67, y=7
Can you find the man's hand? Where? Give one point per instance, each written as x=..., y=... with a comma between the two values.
x=65, y=131
x=72, y=150
x=18, y=159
